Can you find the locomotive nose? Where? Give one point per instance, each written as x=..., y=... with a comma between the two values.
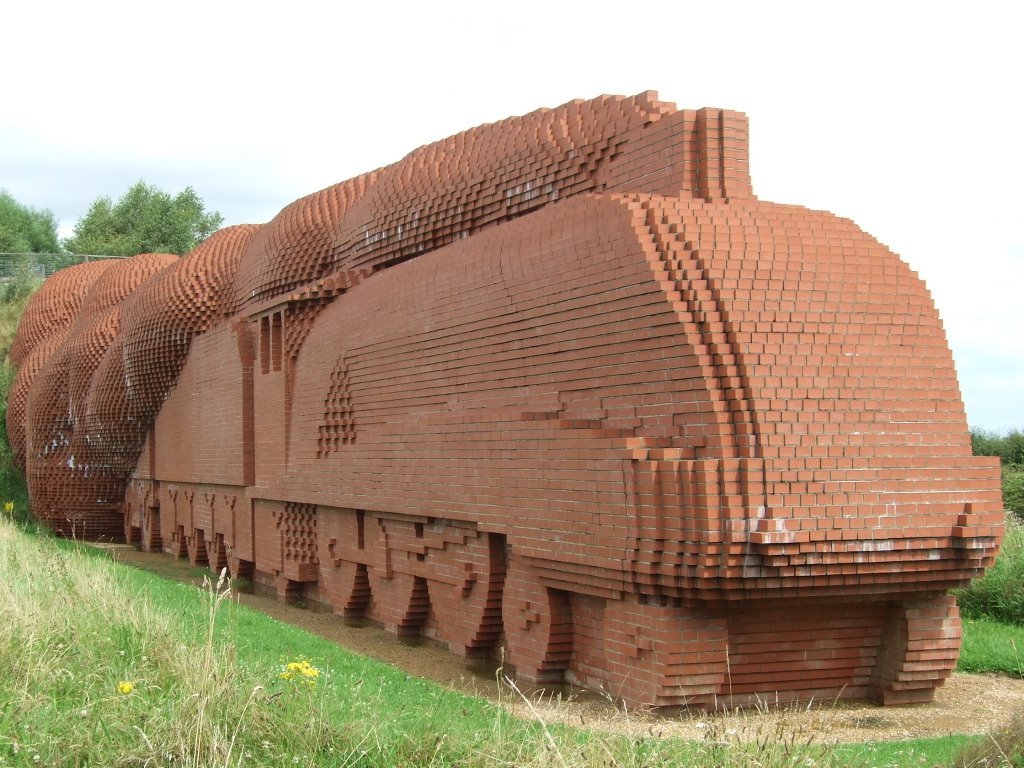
x=830, y=453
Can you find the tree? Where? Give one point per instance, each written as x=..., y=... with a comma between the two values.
x=144, y=220
x=1009, y=447
x=24, y=229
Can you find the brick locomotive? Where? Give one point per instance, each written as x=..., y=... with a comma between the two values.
x=559, y=387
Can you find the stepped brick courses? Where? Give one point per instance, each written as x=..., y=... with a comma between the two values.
x=561, y=386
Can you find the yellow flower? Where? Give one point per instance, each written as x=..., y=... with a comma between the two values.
x=125, y=687
x=9, y=507
x=301, y=671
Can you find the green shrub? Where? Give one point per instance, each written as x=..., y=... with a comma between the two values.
x=999, y=594
x=12, y=482
x=1009, y=447
x=1013, y=489
x=19, y=279
x=985, y=442
x=14, y=295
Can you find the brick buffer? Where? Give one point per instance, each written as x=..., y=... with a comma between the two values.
x=561, y=386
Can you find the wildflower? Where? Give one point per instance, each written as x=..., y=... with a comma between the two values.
x=9, y=507
x=125, y=687
x=300, y=671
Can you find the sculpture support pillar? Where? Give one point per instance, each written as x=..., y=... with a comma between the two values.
x=919, y=649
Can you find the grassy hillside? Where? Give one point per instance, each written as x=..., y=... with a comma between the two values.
x=105, y=665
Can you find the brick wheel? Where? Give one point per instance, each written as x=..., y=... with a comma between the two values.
x=196, y=547
x=538, y=625
x=919, y=648
x=343, y=571
x=152, y=541
x=217, y=553
x=398, y=601
x=662, y=656
x=237, y=567
x=132, y=531
x=347, y=587
x=398, y=598
x=465, y=588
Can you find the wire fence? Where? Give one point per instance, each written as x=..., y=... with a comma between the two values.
x=39, y=266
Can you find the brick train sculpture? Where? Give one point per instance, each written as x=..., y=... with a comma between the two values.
x=558, y=388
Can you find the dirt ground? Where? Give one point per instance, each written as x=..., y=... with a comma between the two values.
x=966, y=704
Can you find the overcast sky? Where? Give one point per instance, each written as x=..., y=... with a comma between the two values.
x=905, y=117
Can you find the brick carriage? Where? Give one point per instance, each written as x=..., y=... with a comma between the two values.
x=558, y=385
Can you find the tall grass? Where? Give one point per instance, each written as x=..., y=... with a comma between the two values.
x=103, y=670
x=999, y=594
x=1003, y=747
x=108, y=666
x=97, y=674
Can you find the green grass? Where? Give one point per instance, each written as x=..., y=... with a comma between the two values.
x=993, y=611
x=999, y=595
x=992, y=646
x=941, y=751
x=206, y=686
x=205, y=674
x=207, y=689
